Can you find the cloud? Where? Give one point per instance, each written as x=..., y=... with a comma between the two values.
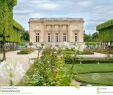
x=49, y=6
x=85, y=3
x=93, y=11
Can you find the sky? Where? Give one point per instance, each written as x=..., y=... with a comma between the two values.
x=93, y=12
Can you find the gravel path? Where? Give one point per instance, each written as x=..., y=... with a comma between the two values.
x=15, y=67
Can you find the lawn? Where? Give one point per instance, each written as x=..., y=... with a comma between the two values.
x=91, y=68
x=96, y=74
x=96, y=78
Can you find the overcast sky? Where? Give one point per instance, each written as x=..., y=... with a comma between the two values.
x=92, y=11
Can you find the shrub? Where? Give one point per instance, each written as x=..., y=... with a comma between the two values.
x=104, y=51
x=26, y=51
x=87, y=51
x=49, y=70
x=30, y=43
x=74, y=60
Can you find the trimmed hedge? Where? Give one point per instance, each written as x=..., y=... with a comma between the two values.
x=9, y=28
x=74, y=60
x=104, y=25
x=105, y=31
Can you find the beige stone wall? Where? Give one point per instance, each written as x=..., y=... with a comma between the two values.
x=39, y=26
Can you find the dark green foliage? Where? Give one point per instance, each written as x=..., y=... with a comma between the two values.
x=25, y=36
x=91, y=38
x=74, y=60
x=87, y=38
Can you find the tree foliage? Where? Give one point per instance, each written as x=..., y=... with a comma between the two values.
x=105, y=25
x=87, y=38
x=25, y=36
x=91, y=38
x=9, y=28
x=105, y=31
x=8, y=31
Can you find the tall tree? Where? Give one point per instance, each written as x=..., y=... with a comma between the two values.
x=6, y=21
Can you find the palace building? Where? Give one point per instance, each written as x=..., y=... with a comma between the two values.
x=56, y=31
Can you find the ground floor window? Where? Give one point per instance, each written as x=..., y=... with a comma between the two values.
x=57, y=38
x=37, y=37
x=64, y=37
x=76, y=37
x=49, y=37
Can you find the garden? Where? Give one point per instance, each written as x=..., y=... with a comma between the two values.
x=61, y=67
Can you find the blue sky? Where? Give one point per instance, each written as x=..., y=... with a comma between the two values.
x=92, y=11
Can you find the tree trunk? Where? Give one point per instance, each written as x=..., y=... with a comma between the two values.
x=3, y=48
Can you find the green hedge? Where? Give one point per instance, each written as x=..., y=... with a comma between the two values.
x=9, y=28
x=104, y=25
x=74, y=60
x=105, y=31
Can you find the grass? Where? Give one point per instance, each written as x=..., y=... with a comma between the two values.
x=96, y=78
x=91, y=68
x=95, y=74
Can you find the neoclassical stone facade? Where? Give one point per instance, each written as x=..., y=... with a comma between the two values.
x=55, y=31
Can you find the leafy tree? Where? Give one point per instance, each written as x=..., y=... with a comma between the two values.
x=25, y=36
x=7, y=24
x=87, y=38
x=95, y=36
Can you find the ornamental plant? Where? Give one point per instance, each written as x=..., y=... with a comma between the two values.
x=49, y=70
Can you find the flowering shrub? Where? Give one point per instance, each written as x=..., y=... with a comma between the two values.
x=49, y=70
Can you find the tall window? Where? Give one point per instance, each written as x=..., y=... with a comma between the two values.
x=56, y=37
x=49, y=37
x=76, y=37
x=64, y=37
x=37, y=37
